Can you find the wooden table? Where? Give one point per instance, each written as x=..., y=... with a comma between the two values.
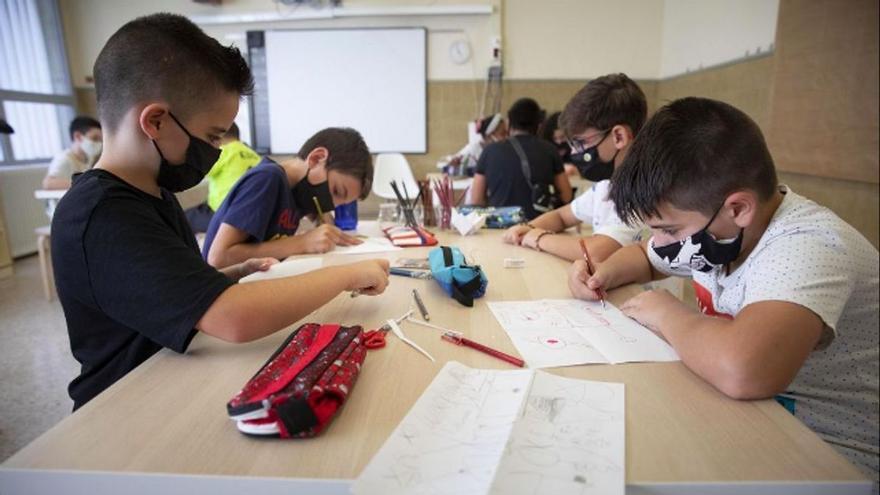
x=168, y=416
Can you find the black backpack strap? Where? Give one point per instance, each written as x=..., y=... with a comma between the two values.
x=523, y=160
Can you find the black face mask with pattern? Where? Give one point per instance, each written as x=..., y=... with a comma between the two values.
x=200, y=157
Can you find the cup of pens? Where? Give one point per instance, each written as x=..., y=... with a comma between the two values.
x=443, y=190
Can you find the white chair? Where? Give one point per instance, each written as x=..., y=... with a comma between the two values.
x=393, y=166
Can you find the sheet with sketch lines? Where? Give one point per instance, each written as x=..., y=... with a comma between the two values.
x=504, y=432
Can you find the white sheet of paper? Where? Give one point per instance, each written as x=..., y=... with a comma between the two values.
x=514, y=432
x=569, y=439
x=370, y=245
x=287, y=268
x=452, y=439
x=565, y=332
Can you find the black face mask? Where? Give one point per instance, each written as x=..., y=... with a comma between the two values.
x=700, y=251
x=303, y=192
x=591, y=166
x=200, y=157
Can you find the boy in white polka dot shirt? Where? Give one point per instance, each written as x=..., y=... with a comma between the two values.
x=788, y=291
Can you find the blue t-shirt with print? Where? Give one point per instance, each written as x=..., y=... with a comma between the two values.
x=260, y=203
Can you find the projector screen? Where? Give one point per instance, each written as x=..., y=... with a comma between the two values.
x=373, y=80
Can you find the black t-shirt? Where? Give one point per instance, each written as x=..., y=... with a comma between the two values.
x=505, y=183
x=129, y=277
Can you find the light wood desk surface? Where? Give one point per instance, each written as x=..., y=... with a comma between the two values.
x=169, y=415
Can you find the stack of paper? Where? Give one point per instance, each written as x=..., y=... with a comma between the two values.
x=566, y=332
x=504, y=432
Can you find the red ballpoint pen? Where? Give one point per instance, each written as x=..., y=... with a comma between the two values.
x=458, y=339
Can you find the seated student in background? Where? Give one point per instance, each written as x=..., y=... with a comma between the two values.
x=500, y=179
x=235, y=159
x=553, y=134
x=788, y=291
x=85, y=147
x=262, y=212
x=127, y=267
x=602, y=120
x=491, y=129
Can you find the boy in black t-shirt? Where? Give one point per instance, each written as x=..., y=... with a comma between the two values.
x=128, y=270
x=500, y=179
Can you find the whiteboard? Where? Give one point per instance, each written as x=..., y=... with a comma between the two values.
x=373, y=80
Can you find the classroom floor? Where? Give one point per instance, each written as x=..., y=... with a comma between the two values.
x=35, y=360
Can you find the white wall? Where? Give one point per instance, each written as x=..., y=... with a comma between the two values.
x=89, y=23
x=703, y=33
x=581, y=39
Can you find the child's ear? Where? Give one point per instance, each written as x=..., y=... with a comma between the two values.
x=621, y=136
x=743, y=206
x=152, y=118
x=317, y=157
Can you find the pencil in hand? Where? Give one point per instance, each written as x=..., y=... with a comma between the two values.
x=591, y=270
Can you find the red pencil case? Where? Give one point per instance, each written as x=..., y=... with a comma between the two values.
x=403, y=236
x=298, y=391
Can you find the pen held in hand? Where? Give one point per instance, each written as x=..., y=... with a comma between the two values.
x=591, y=270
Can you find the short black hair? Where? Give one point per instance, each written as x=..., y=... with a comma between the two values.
x=604, y=102
x=692, y=154
x=82, y=124
x=526, y=115
x=348, y=154
x=233, y=131
x=165, y=56
x=548, y=128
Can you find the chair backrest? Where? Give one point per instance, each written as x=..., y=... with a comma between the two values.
x=393, y=166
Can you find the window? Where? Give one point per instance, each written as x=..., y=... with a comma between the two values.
x=36, y=96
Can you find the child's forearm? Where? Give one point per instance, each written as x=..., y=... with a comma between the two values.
x=232, y=272
x=241, y=252
x=248, y=312
x=550, y=221
x=628, y=265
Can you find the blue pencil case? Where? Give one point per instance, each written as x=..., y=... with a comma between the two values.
x=500, y=217
x=459, y=280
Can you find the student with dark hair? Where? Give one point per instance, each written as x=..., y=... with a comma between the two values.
x=128, y=270
x=508, y=172
x=788, y=292
x=236, y=158
x=603, y=119
x=263, y=210
x=85, y=147
x=553, y=134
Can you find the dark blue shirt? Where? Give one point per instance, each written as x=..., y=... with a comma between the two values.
x=260, y=203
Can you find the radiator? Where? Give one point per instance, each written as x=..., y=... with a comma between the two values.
x=23, y=212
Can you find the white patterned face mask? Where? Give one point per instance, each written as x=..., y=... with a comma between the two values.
x=700, y=252
x=91, y=148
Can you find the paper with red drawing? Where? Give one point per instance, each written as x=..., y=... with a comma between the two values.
x=567, y=332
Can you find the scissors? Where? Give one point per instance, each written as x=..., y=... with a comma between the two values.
x=375, y=339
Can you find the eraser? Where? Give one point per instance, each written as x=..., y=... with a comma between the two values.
x=514, y=262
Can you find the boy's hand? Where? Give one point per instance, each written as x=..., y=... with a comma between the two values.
x=514, y=235
x=582, y=285
x=652, y=307
x=369, y=277
x=245, y=268
x=325, y=237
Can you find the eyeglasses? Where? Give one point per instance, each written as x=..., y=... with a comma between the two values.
x=579, y=145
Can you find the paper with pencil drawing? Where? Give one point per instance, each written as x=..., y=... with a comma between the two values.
x=504, y=432
x=370, y=245
x=287, y=268
x=566, y=332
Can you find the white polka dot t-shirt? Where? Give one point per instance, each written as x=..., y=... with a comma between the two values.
x=810, y=257
x=594, y=207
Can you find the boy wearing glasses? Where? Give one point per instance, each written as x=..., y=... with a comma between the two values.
x=601, y=121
